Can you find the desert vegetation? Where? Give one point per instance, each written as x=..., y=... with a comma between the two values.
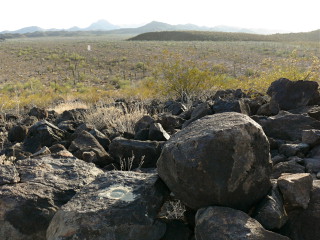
x=105, y=138
x=47, y=71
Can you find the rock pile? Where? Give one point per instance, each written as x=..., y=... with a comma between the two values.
x=235, y=166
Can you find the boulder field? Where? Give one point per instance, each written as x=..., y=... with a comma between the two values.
x=231, y=166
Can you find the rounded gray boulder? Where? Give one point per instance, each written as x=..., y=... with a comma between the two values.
x=222, y=159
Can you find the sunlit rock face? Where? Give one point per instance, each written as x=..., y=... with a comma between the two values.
x=117, y=205
x=32, y=190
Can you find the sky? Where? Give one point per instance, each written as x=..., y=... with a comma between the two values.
x=288, y=15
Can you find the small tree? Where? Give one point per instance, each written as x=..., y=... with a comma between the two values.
x=76, y=59
x=182, y=77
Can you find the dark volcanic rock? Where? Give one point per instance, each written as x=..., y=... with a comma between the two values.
x=312, y=165
x=198, y=112
x=256, y=102
x=177, y=230
x=175, y=108
x=287, y=126
x=305, y=225
x=311, y=137
x=85, y=142
x=142, y=135
x=269, y=109
x=116, y=206
x=314, y=112
x=78, y=114
x=221, y=223
x=298, y=149
x=221, y=159
x=8, y=174
x=157, y=133
x=291, y=166
x=42, y=134
x=17, y=133
x=229, y=94
x=68, y=126
x=16, y=151
x=170, y=122
x=295, y=189
x=292, y=94
x=231, y=105
x=27, y=207
x=102, y=139
x=141, y=153
x=143, y=123
x=270, y=212
x=39, y=113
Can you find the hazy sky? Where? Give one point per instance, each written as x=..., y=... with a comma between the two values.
x=290, y=15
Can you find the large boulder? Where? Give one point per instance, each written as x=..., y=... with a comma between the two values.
x=45, y=184
x=116, y=206
x=287, y=126
x=221, y=159
x=42, y=134
x=292, y=94
x=221, y=223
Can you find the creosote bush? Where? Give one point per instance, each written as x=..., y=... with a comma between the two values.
x=40, y=72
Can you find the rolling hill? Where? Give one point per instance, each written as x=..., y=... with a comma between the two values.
x=224, y=36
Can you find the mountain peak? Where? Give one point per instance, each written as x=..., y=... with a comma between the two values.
x=103, y=25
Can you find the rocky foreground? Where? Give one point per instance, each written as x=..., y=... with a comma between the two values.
x=244, y=167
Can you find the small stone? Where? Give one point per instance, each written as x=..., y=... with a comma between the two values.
x=8, y=174
x=157, y=133
x=296, y=189
x=43, y=151
x=311, y=137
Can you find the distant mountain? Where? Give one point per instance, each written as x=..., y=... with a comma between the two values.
x=159, y=26
x=101, y=25
x=74, y=29
x=29, y=30
x=108, y=28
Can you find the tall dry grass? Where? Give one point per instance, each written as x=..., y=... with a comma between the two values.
x=119, y=118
